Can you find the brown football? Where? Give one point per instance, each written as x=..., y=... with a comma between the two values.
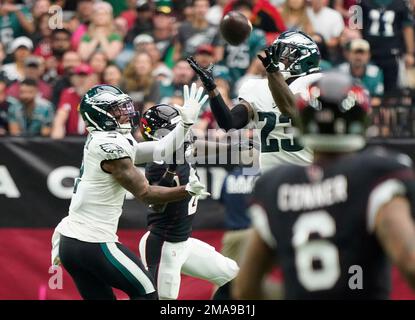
x=235, y=28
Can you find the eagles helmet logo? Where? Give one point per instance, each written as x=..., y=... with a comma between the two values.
x=111, y=148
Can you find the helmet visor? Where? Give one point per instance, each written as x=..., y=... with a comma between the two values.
x=124, y=112
x=289, y=55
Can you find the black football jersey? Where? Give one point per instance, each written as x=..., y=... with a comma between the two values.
x=383, y=25
x=171, y=221
x=320, y=221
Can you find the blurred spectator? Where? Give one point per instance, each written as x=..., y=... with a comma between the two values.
x=182, y=74
x=60, y=43
x=343, y=6
x=197, y=32
x=84, y=13
x=32, y=70
x=112, y=75
x=98, y=62
x=255, y=71
x=40, y=8
x=30, y=115
x=139, y=82
x=205, y=55
x=160, y=70
x=187, y=11
x=2, y=54
x=347, y=36
x=70, y=60
x=140, y=43
x=163, y=32
x=176, y=100
x=101, y=34
x=143, y=22
x=295, y=16
x=130, y=14
x=358, y=66
x=388, y=27
x=21, y=48
x=72, y=24
x=5, y=103
x=239, y=58
x=326, y=60
x=235, y=194
x=15, y=21
x=215, y=13
x=326, y=22
x=68, y=120
x=118, y=6
x=42, y=37
x=264, y=16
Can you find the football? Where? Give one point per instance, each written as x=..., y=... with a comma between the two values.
x=235, y=28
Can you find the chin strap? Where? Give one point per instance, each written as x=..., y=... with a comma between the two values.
x=124, y=128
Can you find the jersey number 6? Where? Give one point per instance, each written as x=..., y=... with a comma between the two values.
x=307, y=251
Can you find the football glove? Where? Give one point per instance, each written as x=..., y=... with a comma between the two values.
x=271, y=59
x=194, y=186
x=193, y=102
x=205, y=75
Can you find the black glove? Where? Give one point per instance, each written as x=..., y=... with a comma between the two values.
x=271, y=59
x=205, y=75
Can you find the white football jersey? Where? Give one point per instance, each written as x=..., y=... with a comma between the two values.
x=277, y=145
x=98, y=198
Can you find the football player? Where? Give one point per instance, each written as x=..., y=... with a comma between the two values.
x=168, y=249
x=334, y=225
x=85, y=241
x=291, y=62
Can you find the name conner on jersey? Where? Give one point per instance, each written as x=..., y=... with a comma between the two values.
x=297, y=197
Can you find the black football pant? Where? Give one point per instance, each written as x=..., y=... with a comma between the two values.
x=390, y=68
x=96, y=268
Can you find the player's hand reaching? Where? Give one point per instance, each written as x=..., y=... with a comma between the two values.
x=271, y=59
x=194, y=186
x=193, y=102
x=205, y=75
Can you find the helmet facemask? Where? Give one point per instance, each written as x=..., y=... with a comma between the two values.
x=299, y=55
x=124, y=115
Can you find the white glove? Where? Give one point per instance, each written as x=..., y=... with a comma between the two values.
x=193, y=102
x=194, y=186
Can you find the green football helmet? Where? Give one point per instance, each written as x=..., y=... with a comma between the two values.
x=103, y=106
x=299, y=54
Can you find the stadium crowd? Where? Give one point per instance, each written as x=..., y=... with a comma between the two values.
x=52, y=52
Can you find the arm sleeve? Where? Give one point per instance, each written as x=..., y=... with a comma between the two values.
x=163, y=149
x=227, y=119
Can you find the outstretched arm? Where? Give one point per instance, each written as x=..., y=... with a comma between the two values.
x=235, y=118
x=283, y=97
x=165, y=147
x=134, y=181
